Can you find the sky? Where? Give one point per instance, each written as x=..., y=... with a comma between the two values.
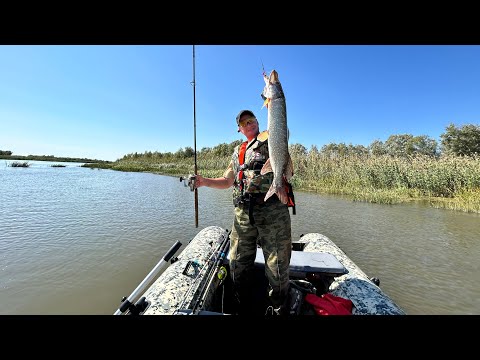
x=106, y=101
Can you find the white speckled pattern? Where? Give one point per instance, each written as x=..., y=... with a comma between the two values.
x=367, y=298
x=174, y=290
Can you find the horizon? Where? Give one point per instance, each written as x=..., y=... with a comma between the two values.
x=106, y=101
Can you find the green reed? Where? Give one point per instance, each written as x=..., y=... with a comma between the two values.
x=385, y=179
x=450, y=182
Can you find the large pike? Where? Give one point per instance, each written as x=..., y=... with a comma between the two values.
x=279, y=158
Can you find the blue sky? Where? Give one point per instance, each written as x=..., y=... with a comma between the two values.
x=106, y=101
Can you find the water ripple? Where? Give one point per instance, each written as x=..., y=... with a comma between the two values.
x=75, y=240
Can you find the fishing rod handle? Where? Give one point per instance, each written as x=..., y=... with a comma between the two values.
x=172, y=250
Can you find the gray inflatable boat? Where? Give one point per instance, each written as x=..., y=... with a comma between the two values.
x=197, y=282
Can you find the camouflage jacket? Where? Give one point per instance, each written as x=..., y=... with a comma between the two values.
x=247, y=177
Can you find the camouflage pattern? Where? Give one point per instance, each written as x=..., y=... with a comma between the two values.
x=272, y=231
x=255, y=184
x=367, y=298
x=256, y=155
x=175, y=290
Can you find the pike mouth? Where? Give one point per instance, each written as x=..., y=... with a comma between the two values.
x=274, y=77
x=270, y=80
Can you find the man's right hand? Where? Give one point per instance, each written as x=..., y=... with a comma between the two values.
x=199, y=181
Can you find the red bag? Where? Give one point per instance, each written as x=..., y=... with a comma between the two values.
x=329, y=304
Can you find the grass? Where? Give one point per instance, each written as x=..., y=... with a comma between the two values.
x=448, y=182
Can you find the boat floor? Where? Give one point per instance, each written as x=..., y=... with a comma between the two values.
x=224, y=302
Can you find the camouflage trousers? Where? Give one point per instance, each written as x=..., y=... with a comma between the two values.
x=272, y=231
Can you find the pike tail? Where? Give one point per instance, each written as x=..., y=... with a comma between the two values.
x=279, y=190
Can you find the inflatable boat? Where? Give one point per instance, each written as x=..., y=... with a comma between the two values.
x=323, y=281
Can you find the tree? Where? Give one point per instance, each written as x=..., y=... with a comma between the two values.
x=408, y=145
x=179, y=153
x=330, y=150
x=222, y=150
x=397, y=145
x=377, y=148
x=463, y=140
x=358, y=150
x=334, y=150
x=297, y=150
x=189, y=152
x=423, y=145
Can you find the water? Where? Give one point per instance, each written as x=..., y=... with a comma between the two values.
x=76, y=240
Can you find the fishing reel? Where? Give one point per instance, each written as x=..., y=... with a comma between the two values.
x=188, y=181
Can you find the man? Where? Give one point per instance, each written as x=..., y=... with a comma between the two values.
x=266, y=223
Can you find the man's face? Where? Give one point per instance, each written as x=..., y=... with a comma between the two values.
x=248, y=126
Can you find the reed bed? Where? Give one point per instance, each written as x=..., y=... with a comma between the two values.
x=450, y=182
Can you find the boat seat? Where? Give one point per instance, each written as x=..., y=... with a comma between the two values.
x=303, y=262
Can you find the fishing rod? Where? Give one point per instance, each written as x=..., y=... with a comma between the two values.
x=214, y=256
x=202, y=273
x=190, y=179
x=215, y=269
x=195, y=140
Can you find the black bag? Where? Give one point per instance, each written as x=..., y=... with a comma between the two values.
x=297, y=292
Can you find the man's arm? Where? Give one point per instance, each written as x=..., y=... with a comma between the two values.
x=216, y=183
x=223, y=182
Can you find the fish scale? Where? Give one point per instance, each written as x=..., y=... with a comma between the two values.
x=279, y=158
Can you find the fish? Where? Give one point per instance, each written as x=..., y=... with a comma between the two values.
x=279, y=161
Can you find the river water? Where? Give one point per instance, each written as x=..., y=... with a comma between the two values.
x=76, y=240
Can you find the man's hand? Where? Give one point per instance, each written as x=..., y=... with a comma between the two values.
x=199, y=181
